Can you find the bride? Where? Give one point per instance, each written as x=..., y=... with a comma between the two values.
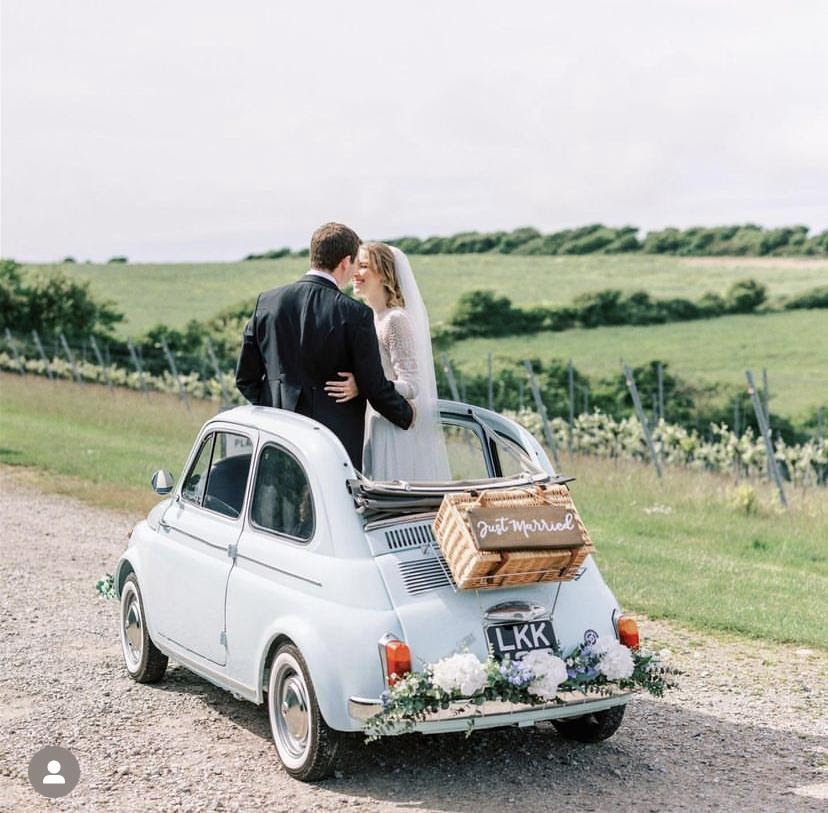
x=386, y=282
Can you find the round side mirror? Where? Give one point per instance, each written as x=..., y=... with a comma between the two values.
x=162, y=482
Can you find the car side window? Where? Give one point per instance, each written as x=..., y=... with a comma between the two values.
x=467, y=460
x=229, y=468
x=193, y=488
x=512, y=458
x=282, y=500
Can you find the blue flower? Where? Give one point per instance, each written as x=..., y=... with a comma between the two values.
x=518, y=674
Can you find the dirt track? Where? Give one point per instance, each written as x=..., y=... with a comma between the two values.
x=746, y=730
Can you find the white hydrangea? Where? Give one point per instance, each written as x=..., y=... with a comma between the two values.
x=463, y=673
x=549, y=672
x=616, y=659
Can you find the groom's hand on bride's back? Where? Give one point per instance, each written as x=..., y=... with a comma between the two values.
x=347, y=389
x=342, y=391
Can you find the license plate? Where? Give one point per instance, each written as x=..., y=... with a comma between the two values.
x=516, y=639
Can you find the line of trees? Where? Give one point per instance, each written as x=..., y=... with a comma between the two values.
x=716, y=241
x=484, y=313
x=746, y=240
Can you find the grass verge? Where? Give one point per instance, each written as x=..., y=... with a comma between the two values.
x=684, y=548
x=102, y=447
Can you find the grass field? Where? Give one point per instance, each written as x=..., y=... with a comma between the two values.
x=101, y=446
x=676, y=549
x=793, y=346
x=174, y=294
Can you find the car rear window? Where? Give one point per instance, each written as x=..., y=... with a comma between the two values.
x=282, y=499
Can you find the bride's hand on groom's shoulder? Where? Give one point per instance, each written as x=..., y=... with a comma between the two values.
x=342, y=391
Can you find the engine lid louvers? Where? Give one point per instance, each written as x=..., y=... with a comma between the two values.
x=409, y=536
x=428, y=573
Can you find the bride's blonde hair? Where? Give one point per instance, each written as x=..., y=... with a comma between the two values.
x=381, y=259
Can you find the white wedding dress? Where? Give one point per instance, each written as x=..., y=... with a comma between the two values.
x=419, y=452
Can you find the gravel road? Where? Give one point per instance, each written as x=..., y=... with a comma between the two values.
x=746, y=730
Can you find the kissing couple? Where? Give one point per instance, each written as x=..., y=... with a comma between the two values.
x=366, y=371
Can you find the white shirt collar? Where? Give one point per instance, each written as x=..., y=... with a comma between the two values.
x=315, y=272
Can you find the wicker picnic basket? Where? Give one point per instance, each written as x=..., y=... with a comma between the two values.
x=473, y=568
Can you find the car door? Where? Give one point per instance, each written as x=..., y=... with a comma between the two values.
x=201, y=528
x=279, y=559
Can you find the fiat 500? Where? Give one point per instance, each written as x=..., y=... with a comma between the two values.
x=278, y=572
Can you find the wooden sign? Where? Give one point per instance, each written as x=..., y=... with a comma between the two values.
x=524, y=527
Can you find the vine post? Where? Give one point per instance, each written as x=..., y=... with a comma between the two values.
x=174, y=371
x=450, y=377
x=138, y=368
x=42, y=353
x=764, y=428
x=490, y=387
x=103, y=366
x=13, y=345
x=571, y=399
x=541, y=407
x=642, y=418
x=660, y=373
x=71, y=357
x=225, y=398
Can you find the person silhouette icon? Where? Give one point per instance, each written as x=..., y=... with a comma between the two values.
x=54, y=772
x=53, y=777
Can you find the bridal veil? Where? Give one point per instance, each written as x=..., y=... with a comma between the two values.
x=433, y=463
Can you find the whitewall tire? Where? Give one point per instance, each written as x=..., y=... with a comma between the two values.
x=144, y=662
x=306, y=745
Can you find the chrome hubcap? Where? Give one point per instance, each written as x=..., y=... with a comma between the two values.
x=292, y=719
x=132, y=629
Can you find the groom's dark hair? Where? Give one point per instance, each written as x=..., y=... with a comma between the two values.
x=331, y=243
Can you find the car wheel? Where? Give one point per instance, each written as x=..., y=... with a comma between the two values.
x=144, y=661
x=600, y=725
x=306, y=745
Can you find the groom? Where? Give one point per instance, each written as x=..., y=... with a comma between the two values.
x=303, y=334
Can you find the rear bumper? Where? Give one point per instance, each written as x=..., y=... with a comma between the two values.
x=495, y=713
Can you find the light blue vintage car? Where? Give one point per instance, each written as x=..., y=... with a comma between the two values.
x=276, y=571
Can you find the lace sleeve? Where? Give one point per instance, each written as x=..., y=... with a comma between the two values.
x=402, y=352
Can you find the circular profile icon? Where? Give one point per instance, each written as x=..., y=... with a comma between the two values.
x=54, y=771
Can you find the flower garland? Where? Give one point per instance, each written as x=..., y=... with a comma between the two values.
x=106, y=586
x=535, y=679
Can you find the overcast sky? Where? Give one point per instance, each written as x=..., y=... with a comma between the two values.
x=201, y=130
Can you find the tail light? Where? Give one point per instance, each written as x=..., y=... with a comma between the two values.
x=396, y=659
x=628, y=631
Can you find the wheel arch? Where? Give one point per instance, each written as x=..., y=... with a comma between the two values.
x=330, y=693
x=122, y=570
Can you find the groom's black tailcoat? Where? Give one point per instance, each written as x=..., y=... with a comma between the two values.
x=300, y=336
